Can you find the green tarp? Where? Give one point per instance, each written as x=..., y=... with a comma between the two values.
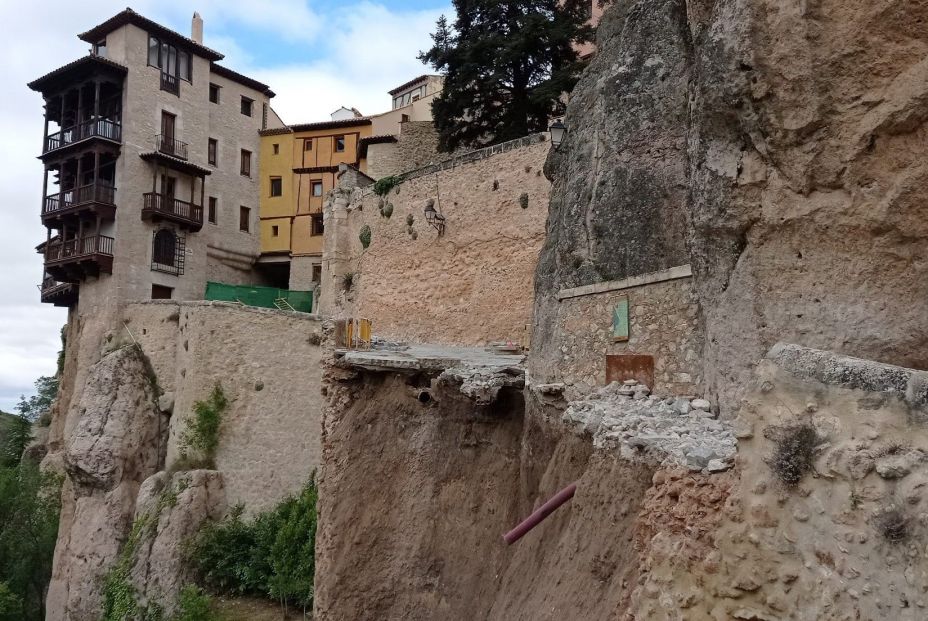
x=265, y=297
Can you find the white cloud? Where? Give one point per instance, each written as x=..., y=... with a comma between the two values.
x=358, y=51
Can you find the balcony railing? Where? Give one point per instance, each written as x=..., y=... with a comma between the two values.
x=86, y=246
x=170, y=84
x=91, y=193
x=170, y=146
x=174, y=209
x=59, y=293
x=94, y=128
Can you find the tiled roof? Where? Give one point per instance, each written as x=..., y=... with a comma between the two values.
x=369, y=140
x=131, y=17
x=176, y=163
x=360, y=120
x=82, y=63
x=241, y=79
x=316, y=169
x=403, y=87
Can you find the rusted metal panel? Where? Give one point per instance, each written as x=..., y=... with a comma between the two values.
x=621, y=367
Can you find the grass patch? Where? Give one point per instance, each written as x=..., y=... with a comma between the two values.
x=201, y=436
x=794, y=451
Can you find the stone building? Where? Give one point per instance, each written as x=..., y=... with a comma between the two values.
x=298, y=167
x=150, y=151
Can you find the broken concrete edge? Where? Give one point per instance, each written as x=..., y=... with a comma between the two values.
x=834, y=369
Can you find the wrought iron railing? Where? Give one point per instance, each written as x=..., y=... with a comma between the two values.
x=165, y=205
x=170, y=146
x=99, y=127
x=90, y=193
x=75, y=248
x=170, y=84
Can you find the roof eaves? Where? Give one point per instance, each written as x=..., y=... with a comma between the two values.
x=129, y=16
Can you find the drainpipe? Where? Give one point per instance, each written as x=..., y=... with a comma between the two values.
x=538, y=516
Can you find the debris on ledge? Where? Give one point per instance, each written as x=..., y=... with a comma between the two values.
x=678, y=431
x=478, y=373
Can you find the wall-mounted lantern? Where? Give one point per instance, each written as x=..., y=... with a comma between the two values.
x=557, y=130
x=435, y=219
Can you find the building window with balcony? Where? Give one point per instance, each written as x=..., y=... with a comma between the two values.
x=174, y=64
x=244, y=219
x=316, y=188
x=211, y=210
x=316, y=225
x=246, y=163
x=276, y=186
x=212, y=152
x=247, y=105
x=339, y=144
x=214, y=93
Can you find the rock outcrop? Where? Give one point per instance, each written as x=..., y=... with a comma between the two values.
x=774, y=147
x=114, y=447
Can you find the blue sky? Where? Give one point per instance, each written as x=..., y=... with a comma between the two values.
x=317, y=55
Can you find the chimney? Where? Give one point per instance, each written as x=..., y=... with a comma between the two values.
x=196, y=28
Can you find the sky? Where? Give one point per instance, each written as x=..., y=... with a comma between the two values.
x=317, y=55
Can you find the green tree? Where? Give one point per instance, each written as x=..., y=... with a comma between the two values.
x=29, y=508
x=18, y=434
x=34, y=407
x=506, y=67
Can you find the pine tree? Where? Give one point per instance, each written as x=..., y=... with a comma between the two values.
x=506, y=67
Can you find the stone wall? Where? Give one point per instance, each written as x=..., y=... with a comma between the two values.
x=469, y=286
x=268, y=365
x=663, y=322
x=416, y=146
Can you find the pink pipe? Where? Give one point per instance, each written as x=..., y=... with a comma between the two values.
x=540, y=514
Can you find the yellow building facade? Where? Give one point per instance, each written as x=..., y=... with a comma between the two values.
x=298, y=166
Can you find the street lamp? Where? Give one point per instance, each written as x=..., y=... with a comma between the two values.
x=434, y=218
x=557, y=131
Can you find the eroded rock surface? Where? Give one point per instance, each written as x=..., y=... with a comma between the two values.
x=114, y=446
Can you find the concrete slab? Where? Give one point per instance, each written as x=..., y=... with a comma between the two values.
x=414, y=358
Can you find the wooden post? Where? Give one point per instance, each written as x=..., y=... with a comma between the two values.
x=44, y=186
x=96, y=100
x=80, y=110
x=96, y=171
x=78, y=181
x=202, y=191
x=45, y=139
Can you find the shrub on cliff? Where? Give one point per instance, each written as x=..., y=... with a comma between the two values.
x=272, y=555
x=202, y=432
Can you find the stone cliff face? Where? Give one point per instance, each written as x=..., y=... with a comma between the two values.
x=775, y=147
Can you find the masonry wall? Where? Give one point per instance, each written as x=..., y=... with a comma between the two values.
x=416, y=146
x=471, y=285
x=268, y=363
x=663, y=323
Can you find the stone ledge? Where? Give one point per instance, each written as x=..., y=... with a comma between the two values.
x=673, y=273
x=834, y=369
x=241, y=307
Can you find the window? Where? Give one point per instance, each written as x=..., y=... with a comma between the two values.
x=246, y=163
x=317, y=188
x=276, y=186
x=317, y=273
x=244, y=219
x=275, y=231
x=211, y=212
x=214, y=93
x=169, y=59
x=99, y=48
x=168, y=124
x=339, y=144
x=316, y=224
x=247, y=105
x=167, y=252
x=160, y=292
x=276, y=149
x=212, y=152
x=308, y=144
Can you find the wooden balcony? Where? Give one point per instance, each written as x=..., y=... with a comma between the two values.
x=74, y=259
x=162, y=207
x=58, y=293
x=170, y=84
x=98, y=199
x=170, y=146
x=94, y=128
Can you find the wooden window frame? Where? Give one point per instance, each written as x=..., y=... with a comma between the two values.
x=307, y=144
x=280, y=186
x=316, y=225
x=335, y=140
x=275, y=230
x=218, y=91
x=212, y=152
x=245, y=167
x=212, y=209
x=312, y=188
x=251, y=106
x=244, y=219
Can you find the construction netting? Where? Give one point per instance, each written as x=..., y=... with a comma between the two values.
x=264, y=297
